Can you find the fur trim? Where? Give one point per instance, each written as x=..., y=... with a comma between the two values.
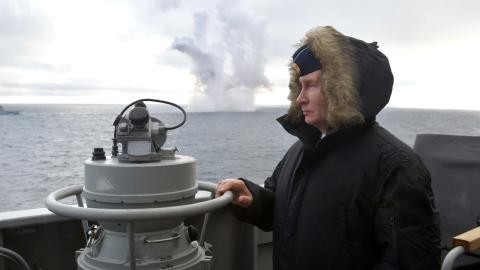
x=339, y=78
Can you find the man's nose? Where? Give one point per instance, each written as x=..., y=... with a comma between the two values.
x=301, y=97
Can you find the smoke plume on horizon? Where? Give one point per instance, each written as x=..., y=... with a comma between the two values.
x=230, y=68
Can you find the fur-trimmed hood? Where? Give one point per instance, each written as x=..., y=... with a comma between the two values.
x=356, y=78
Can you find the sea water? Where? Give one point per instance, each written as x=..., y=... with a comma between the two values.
x=44, y=147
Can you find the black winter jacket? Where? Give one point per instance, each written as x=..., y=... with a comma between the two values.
x=358, y=199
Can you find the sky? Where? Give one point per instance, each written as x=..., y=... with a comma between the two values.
x=226, y=54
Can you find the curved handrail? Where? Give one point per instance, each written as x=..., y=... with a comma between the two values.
x=452, y=255
x=141, y=214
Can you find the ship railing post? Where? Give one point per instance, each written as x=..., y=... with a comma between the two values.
x=206, y=219
x=131, y=245
x=451, y=257
x=2, y=262
x=84, y=222
x=467, y=242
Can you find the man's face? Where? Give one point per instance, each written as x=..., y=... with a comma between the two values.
x=312, y=101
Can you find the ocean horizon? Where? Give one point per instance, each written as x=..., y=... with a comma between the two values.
x=44, y=147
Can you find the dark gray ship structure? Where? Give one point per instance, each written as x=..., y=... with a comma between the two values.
x=5, y=112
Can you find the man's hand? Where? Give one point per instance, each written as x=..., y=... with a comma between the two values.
x=241, y=195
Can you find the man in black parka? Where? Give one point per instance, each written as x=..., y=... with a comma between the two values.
x=348, y=194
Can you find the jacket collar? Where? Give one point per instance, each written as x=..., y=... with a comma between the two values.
x=307, y=134
x=310, y=136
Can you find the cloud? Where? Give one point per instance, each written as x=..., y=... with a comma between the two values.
x=391, y=23
x=69, y=88
x=21, y=19
x=45, y=45
x=24, y=30
x=154, y=6
x=32, y=65
x=157, y=17
x=167, y=5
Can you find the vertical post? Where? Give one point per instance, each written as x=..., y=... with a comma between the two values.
x=131, y=245
x=84, y=222
x=2, y=262
x=452, y=255
x=204, y=226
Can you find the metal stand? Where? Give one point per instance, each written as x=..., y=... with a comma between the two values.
x=132, y=215
x=452, y=255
